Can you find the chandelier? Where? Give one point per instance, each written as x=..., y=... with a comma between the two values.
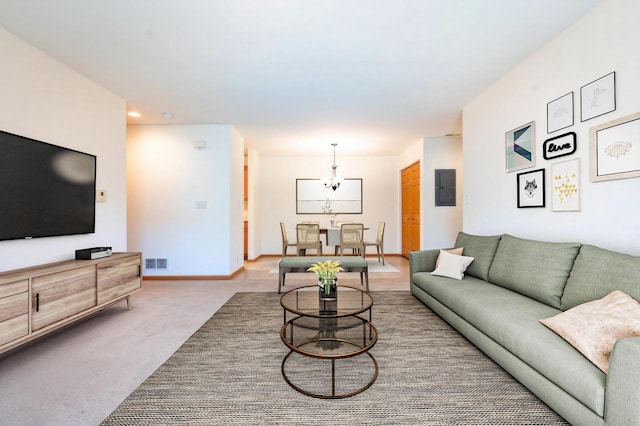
x=333, y=182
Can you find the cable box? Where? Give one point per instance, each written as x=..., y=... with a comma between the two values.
x=93, y=253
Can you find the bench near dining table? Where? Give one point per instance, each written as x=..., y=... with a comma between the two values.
x=302, y=263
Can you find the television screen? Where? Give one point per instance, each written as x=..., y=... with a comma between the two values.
x=45, y=190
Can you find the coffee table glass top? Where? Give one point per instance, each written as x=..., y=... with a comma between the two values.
x=306, y=301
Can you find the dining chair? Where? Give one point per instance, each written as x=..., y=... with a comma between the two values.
x=339, y=224
x=336, y=236
x=285, y=242
x=308, y=237
x=378, y=243
x=351, y=238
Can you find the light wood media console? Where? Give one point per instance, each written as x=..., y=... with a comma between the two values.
x=38, y=300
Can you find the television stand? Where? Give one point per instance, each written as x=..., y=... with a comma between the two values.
x=38, y=300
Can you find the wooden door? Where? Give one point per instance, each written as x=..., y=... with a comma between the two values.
x=410, y=209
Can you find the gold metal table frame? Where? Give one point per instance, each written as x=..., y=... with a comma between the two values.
x=328, y=331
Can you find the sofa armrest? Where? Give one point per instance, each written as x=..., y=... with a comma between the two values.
x=622, y=400
x=422, y=261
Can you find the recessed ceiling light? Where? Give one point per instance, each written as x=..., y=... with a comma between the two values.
x=133, y=114
x=167, y=114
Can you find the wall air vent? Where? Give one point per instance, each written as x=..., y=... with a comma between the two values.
x=150, y=263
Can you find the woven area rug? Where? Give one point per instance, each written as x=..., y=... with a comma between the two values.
x=229, y=372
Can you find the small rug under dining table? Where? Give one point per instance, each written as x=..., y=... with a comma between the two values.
x=229, y=372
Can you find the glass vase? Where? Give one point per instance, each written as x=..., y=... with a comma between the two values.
x=328, y=288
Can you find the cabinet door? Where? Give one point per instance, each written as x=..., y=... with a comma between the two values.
x=14, y=308
x=60, y=295
x=118, y=278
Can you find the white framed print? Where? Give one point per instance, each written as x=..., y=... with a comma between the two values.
x=615, y=149
x=565, y=185
x=598, y=97
x=560, y=113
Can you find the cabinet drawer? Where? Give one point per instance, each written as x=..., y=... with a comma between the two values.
x=13, y=306
x=14, y=328
x=9, y=289
x=60, y=295
x=117, y=279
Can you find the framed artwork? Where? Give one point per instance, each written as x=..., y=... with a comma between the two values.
x=312, y=197
x=559, y=146
x=598, y=97
x=520, y=147
x=531, y=189
x=560, y=113
x=565, y=183
x=615, y=149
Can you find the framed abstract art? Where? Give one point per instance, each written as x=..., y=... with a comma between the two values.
x=520, y=147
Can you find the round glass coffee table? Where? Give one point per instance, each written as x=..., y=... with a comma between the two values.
x=325, y=338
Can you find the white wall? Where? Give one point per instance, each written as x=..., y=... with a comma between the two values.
x=236, y=201
x=277, y=186
x=440, y=224
x=254, y=205
x=42, y=99
x=603, y=41
x=166, y=178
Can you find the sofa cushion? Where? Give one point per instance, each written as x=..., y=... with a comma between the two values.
x=512, y=321
x=597, y=272
x=452, y=265
x=593, y=327
x=482, y=249
x=457, y=251
x=534, y=268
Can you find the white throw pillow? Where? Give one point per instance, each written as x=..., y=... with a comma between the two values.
x=593, y=327
x=451, y=265
x=459, y=251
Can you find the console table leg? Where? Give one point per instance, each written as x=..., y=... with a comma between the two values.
x=128, y=303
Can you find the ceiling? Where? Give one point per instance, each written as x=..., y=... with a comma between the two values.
x=294, y=76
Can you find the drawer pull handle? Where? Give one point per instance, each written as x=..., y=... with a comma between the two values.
x=37, y=302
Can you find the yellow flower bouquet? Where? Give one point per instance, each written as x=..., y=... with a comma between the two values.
x=326, y=272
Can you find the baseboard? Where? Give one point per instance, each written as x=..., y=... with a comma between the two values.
x=372, y=255
x=192, y=277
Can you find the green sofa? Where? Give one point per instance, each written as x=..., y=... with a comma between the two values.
x=511, y=284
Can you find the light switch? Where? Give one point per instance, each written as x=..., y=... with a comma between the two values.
x=101, y=195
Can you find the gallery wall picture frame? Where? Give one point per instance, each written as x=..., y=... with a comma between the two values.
x=520, y=147
x=559, y=146
x=312, y=197
x=565, y=186
x=598, y=97
x=531, y=189
x=560, y=113
x=614, y=149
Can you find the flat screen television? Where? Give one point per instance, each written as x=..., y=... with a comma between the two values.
x=45, y=190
